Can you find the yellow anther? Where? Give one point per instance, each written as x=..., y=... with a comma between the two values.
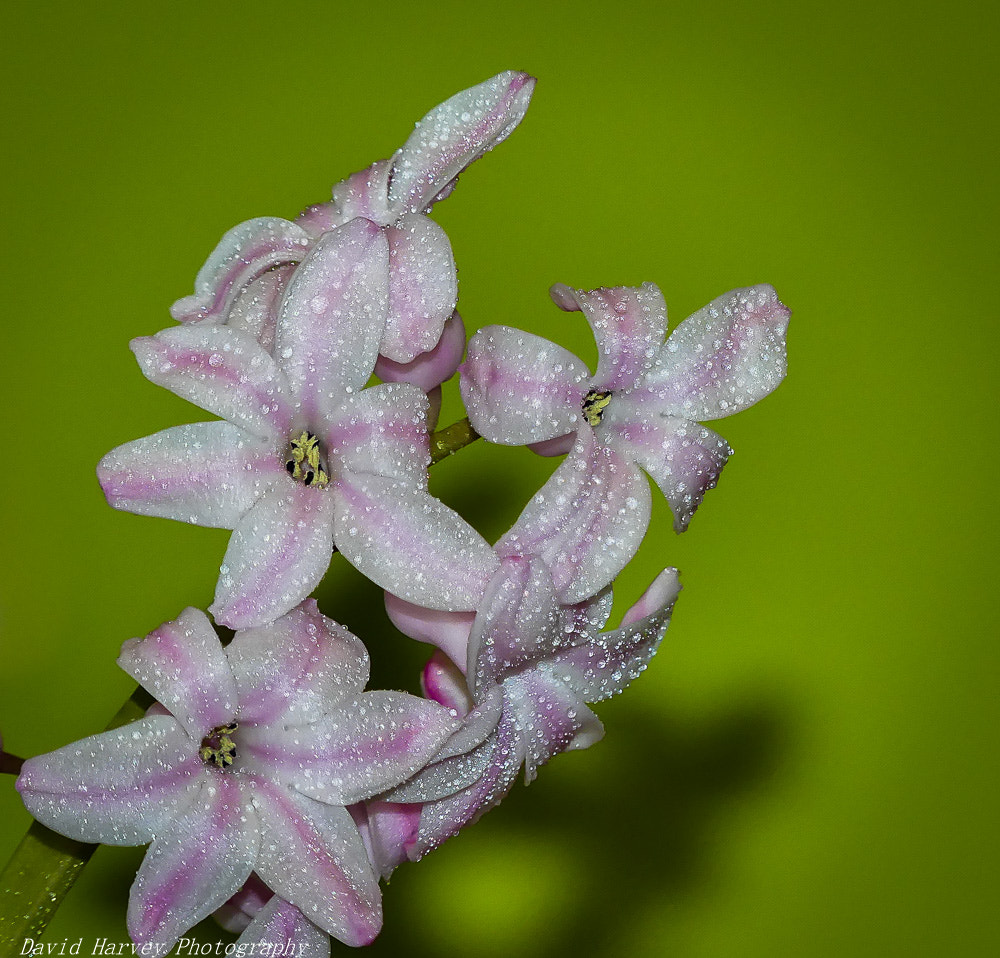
x=594, y=404
x=217, y=748
x=304, y=462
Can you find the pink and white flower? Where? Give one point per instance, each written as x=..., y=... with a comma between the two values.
x=305, y=457
x=531, y=667
x=246, y=765
x=639, y=413
x=245, y=276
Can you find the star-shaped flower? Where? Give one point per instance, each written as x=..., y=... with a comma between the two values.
x=530, y=668
x=244, y=277
x=246, y=764
x=639, y=413
x=305, y=457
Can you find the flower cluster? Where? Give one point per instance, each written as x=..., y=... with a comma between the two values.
x=273, y=789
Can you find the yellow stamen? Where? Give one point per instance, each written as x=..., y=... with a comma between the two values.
x=594, y=404
x=304, y=463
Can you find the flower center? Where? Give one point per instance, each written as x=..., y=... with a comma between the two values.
x=594, y=404
x=218, y=748
x=304, y=462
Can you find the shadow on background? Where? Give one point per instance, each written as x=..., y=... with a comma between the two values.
x=640, y=828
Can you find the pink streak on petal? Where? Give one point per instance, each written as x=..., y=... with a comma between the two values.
x=245, y=252
x=277, y=555
x=296, y=669
x=207, y=473
x=332, y=317
x=520, y=388
x=312, y=856
x=423, y=287
x=629, y=324
x=723, y=359
x=381, y=431
x=183, y=665
x=196, y=865
x=683, y=458
x=221, y=370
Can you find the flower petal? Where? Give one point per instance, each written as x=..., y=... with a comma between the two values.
x=365, y=193
x=183, y=665
x=280, y=924
x=237, y=913
x=684, y=458
x=727, y=356
x=520, y=388
x=430, y=368
x=518, y=621
x=201, y=860
x=355, y=751
x=332, y=317
x=629, y=324
x=381, y=431
x=423, y=287
x=206, y=473
x=297, y=668
x=277, y=555
x=221, y=370
x=392, y=830
x=444, y=818
x=245, y=252
x=255, y=311
x=463, y=758
x=550, y=718
x=121, y=787
x=599, y=666
x=586, y=522
x=312, y=856
x=449, y=631
x=453, y=135
x=410, y=543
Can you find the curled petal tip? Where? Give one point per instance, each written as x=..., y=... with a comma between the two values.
x=661, y=594
x=564, y=297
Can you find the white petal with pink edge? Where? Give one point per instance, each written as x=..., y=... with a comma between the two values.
x=455, y=134
x=205, y=473
x=277, y=555
x=278, y=924
x=381, y=431
x=519, y=388
x=243, y=254
x=221, y=370
x=423, y=287
x=195, y=865
x=312, y=856
x=355, y=751
x=727, y=356
x=183, y=665
x=332, y=316
x=586, y=522
x=683, y=458
x=122, y=787
x=294, y=670
x=410, y=543
x=628, y=322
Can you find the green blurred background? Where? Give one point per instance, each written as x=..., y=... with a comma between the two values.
x=809, y=767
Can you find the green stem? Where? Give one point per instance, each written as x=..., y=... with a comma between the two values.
x=449, y=440
x=45, y=865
